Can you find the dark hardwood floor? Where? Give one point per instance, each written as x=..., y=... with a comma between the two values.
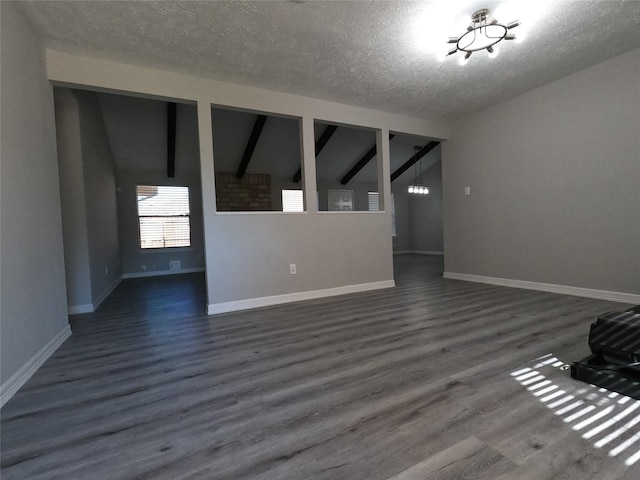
x=435, y=379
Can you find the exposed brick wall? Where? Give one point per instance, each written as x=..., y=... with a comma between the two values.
x=249, y=193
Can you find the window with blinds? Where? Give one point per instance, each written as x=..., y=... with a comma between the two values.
x=292, y=201
x=374, y=206
x=163, y=216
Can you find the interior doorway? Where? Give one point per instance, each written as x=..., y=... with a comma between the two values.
x=130, y=190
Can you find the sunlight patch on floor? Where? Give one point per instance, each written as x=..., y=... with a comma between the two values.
x=604, y=418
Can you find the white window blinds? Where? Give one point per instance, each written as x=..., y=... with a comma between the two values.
x=374, y=206
x=163, y=215
x=292, y=201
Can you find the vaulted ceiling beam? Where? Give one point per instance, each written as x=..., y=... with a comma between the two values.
x=322, y=141
x=409, y=163
x=171, y=139
x=361, y=163
x=251, y=145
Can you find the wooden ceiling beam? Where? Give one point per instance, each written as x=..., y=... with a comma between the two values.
x=251, y=145
x=409, y=163
x=361, y=163
x=171, y=139
x=322, y=141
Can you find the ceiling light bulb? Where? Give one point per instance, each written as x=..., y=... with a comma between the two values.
x=493, y=53
x=522, y=34
x=426, y=190
x=463, y=61
x=410, y=188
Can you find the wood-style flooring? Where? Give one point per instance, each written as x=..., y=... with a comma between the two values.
x=435, y=379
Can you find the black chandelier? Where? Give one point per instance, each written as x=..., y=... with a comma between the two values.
x=482, y=34
x=417, y=187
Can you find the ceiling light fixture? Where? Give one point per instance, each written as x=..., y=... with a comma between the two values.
x=482, y=33
x=417, y=187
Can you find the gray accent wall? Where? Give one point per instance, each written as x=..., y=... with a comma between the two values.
x=555, y=183
x=101, y=204
x=137, y=131
x=360, y=193
x=145, y=262
x=252, y=253
x=247, y=255
x=419, y=217
x=72, y=198
x=402, y=240
x=88, y=195
x=33, y=293
x=425, y=225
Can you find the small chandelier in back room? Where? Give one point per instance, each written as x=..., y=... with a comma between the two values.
x=417, y=187
x=483, y=33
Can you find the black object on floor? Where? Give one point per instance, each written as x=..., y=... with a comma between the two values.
x=616, y=337
x=593, y=370
x=614, y=340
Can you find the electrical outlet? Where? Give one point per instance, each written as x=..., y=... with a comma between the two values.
x=292, y=269
x=467, y=190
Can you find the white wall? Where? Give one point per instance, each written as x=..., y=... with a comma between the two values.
x=33, y=317
x=248, y=255
x=554, y=177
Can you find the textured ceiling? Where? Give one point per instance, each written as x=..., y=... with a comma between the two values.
x=374, y=54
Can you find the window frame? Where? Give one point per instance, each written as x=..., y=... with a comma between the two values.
x=282, y=195
x=139, y=217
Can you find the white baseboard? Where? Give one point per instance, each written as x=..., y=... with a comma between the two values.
x=92, y=307
x=159, y=273
x=225, y=307
x=78, y=309
x=419, y=252
x=9, y=388
x=106, y=293
x=548, y=287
